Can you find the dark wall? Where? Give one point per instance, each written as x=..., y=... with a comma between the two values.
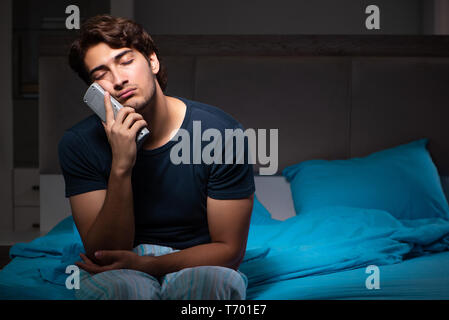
x=33, y=20
x=277, y=17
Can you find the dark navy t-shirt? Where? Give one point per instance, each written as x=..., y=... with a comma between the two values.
x=169, y=199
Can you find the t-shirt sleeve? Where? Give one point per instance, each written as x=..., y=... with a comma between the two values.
x=232, y=181
x=78, y=167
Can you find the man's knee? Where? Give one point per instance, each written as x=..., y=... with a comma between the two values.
x=205, y=283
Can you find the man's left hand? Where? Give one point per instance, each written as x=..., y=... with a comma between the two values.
x=109, y=260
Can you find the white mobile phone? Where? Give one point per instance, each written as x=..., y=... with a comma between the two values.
x=94, y=98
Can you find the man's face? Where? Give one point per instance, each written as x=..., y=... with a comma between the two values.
x=124, y=72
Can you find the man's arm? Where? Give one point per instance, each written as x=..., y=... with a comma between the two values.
x=229, y=222
x=105, y=221
x=105, y=218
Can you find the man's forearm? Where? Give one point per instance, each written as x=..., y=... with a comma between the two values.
x=210, y=254
x=113, y=229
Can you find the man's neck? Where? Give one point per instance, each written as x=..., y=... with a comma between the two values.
x=164, y=115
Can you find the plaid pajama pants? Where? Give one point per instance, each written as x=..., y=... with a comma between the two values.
x=197, y=283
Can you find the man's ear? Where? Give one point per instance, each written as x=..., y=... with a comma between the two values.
x=154, y=62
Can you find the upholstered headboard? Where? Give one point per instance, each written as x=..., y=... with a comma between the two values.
x=329, y=96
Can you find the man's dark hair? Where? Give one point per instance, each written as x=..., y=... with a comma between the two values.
x=117, y=33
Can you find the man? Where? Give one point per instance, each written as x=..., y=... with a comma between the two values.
x=149, y=226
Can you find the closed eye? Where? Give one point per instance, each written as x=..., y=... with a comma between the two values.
x=100, y=76
x=128, y=62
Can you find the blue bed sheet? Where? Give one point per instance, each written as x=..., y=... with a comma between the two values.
x=420, y=278
x=282, y=257
x=22, y=279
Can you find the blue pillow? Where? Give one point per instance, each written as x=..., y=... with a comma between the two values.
x=402, y=180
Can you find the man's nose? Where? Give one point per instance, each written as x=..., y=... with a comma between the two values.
x=119, y=79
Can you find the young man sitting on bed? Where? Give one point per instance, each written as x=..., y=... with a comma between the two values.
x=149, y=226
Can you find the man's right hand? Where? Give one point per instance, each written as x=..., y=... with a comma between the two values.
x=121, y=133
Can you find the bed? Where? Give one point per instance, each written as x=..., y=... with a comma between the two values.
x=337, y=250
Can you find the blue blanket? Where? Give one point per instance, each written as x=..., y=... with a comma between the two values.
x=62, y=243
x=334, y=239
x=316, y=242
